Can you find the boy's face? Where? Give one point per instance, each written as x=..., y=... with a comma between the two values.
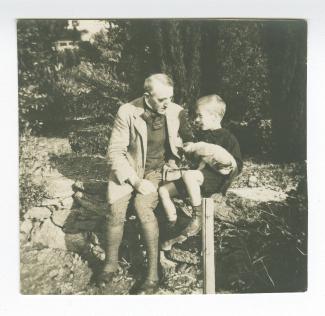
x=205, y=118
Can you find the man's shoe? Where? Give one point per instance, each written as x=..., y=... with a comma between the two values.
x=148, y=287
x=105, y=278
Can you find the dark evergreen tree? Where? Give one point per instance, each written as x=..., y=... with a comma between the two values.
x=172, y=47
x=232, y=59
x=234, y=66
x=286, y=44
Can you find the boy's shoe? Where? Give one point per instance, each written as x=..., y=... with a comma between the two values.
x=168, y=244
x=148, y=287
x=192, y=229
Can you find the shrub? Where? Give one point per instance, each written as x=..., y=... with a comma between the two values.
x=32, y=165
x=91, y=90
x=40, y=101
x=91, y=140
x=30, y=104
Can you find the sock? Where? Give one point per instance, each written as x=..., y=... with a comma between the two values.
x=114, y=234
x=195, y=224
x=197, y=210
x=151, y=235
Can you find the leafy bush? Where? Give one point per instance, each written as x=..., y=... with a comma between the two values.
x=30, y=103
x=41, y=103
x=32, y=165
x=91, y=90
x=91, y=140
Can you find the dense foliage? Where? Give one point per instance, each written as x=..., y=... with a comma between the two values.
x=257, y=67
x=41, y=102
x=287, y=55
x=238, y=60
x=32, y=165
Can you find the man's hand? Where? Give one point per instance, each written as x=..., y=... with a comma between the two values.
x=188, y=147
x=172, y=164
x=145, y=187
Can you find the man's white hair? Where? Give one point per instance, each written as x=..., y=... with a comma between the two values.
x=160, y=78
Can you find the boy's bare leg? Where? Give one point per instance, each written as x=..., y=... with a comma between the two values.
x=166, y=193
x=193, y=180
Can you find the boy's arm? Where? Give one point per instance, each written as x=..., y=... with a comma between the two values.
x=225, y=186
x=215, y=155
x=235, y=151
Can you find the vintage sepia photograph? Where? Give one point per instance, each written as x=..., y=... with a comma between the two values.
x=162, y=156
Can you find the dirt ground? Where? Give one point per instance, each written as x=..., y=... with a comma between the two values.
x=260, y=233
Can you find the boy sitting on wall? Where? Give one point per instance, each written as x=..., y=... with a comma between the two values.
x=220, y=161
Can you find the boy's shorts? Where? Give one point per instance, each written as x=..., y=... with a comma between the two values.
x=212, y=183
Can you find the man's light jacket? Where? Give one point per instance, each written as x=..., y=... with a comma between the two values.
x=127, y=149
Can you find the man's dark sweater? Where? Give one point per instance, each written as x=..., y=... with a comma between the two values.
x=155, y=148
x=158, y=149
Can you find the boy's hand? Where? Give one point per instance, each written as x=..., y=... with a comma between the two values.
x=144, y=187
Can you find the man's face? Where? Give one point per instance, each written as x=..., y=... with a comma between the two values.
x=160, y=97
x=204, y=118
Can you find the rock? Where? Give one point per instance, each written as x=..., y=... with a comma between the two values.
x=180, y=255
x=67, y=203
x=52, y=271
x=59, y=187
x=93, y=238
x=83, y=200
x=38, y=213
x=76, y=242
x=79, y=225
x=59, y=217
x=92, y=187
x=38, y=179
x=51, y=202
x=224, y=212
x=98, y=252
x=252, y=182
x=48, y=235
x=258, y=195
x=26, y=226
x=168, y=266
x=52, y=173
x=182, y=282
x=58, y=203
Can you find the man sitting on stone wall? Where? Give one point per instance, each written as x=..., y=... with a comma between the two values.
x=143, y=139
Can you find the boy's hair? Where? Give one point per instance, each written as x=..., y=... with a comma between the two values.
x=161, y=78
x=216, y=104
